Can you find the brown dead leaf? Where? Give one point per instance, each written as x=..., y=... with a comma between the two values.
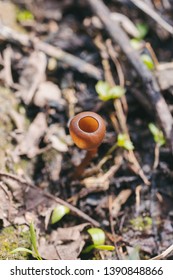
x=32, y=75
x=7, y=209
x=164, y=78
x=46, y=250
x=31, y=140
x=48, y=93
x=102, y=181
x=71, y=250
x=64, y=243
x=8, y=14
x=67, y=234
x=54, y=167
x=119, y=201
x=57, y=137
x=33, y=198
x=17, y=119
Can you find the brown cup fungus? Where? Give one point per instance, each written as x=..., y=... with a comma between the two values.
x=87, y=130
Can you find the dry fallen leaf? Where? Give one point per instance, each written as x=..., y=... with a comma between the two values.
x=46, y=250
x=32, y=75
x=71, y=250
x=57, y=137
x=7, y=209
x=119, y=201
x=67, y=234
x=31, y=140
x=48, y=93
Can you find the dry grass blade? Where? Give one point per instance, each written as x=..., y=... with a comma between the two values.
x=149, y=11
x=165, y=254
x=117, y=203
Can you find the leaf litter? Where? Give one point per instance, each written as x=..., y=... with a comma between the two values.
x=37, y=101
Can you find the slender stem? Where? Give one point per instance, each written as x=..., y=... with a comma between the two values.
x=80, y=168
x=156, y=156
x=111, y=150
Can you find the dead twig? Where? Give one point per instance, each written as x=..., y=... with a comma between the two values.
x=164, y=254
x=71, y=60
x=50, y=196
x=138, y=197
x=117, y=203
x=152, y=13
x=156, y=156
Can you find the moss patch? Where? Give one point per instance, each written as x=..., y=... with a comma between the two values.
x=10, y=239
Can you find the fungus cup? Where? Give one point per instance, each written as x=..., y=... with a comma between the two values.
x=87, y=130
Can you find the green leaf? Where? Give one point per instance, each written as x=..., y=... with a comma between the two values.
x=24, y=15
x=157, y=134
x=98, y=247
x=106, y=92
x=34, y=239
x=116, y=92
x=136, y=43
x=153, y=129
x=58, y=213
x=97, y=235
x=102, y=88
x=104, y=247
x=21, y=249
x=124, y=142
x=147, y=61
x=143, y=29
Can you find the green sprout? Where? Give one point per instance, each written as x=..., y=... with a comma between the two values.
x=141, y=223
x=33, y=238
x=98, y=240
x=24, y=15
x=142, y=29
x=106, y=92
x=124, y=142
x=147, y=60
x=157, y=135
x=58, y=213
x=136, y=43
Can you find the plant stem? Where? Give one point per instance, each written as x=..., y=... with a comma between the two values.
x=80, y=168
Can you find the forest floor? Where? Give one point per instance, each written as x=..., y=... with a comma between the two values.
x=60, y=58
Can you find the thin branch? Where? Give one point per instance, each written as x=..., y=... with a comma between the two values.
x=152, y=13
x=50, y=196
x=165, y=254
x=65, y=57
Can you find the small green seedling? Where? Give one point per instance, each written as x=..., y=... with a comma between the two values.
x=33, y=238
x=59, y=212
x=124, y=142
x=106, y=92
x=157, y=135
x=141, y=223
x=24, y=15
x=98, y=239
x=147, y=60
x=136, y=43
x=142, y=29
